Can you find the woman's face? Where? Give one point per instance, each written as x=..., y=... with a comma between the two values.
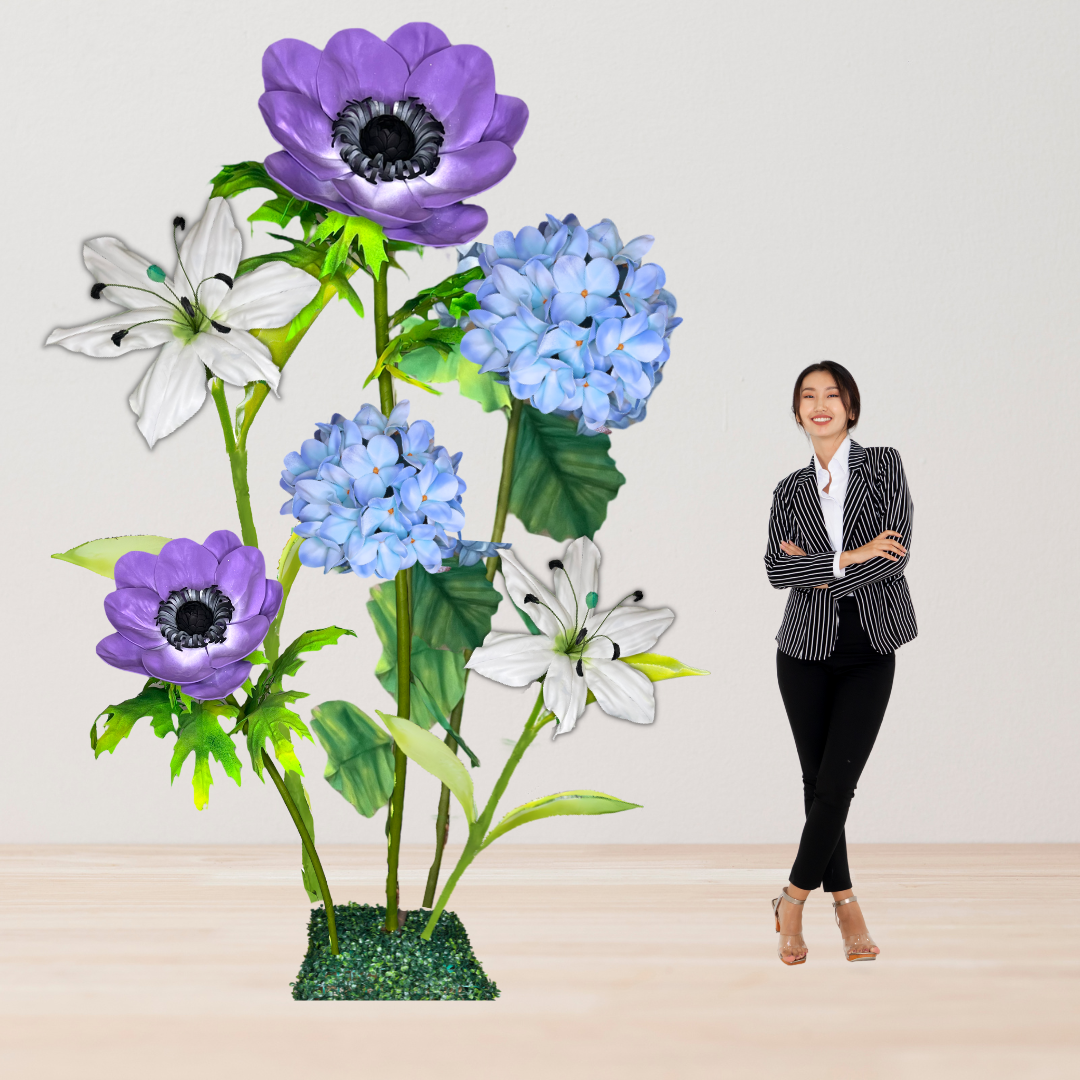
x=821, y=409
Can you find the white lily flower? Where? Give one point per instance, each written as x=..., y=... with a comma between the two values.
x=578, y=647
x=200, y=317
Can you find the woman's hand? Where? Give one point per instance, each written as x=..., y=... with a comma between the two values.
x=882, y=545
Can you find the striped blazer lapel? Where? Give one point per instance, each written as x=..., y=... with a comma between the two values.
x=857, y=499
x=808, y=511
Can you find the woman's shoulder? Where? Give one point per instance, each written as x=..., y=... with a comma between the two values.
x=789, y=483
x=882, y=457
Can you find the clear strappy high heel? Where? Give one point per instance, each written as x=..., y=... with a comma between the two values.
x=857, y=946
x=790, y=942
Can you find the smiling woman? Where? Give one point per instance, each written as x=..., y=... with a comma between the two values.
x=837, y=537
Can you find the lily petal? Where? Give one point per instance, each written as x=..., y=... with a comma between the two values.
x=512, y=659
x=564, y=693
x=170, y=393
x=621, y=690
x=520, y=583
x=634, y=629
x=212, y=246
x=111, y=262
x=95, y=338
x=237, y=358
x=267, y=297
x=582, y=564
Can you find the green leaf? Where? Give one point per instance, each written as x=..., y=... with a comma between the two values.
x=202, y=735
x=449, y=290
x=348, y=293
x=101, y=555
x=562, y=481
x=658, y=668
x=439, y=671
x=417, y=690
x=359, y=755
x=454, y=608
x=152, y=701
x=289, y=663
x=272, y=719
x=243, y=176
x=432, y=754
x=295, y=787
x=429, y=364
x=281, y=210
x=565, y=802
x=367, y=236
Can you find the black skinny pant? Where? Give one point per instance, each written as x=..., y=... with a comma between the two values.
x=835, y=707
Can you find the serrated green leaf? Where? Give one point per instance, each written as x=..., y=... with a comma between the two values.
x=565, y=802
x=272, y=719
x=447, y=290
x=295, y=787
x=658, y=667
x=202, y=735
x=359, y=755
x=562, y=481
x=282, y=209
x=347, y=293
x=454, y=609
x=441, y=672
x=289, y=663
x=101, y=555
x=365, y=235
x=152, y=701
x=432, y=754
x=243, y=176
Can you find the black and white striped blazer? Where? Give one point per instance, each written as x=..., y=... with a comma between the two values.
x=877, y=499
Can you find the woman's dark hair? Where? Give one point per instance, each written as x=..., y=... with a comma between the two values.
x=849, y=390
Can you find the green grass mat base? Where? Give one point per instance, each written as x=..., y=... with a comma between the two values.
x=376, y=966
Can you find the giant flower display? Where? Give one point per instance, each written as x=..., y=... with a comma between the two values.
x=398, y=131
x=191, y=614
x=573, y=319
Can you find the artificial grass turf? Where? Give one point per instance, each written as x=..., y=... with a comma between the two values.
x=374, y=965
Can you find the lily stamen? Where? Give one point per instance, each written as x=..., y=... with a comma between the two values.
x=99, y=287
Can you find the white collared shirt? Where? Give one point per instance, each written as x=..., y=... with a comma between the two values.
x=832, y=502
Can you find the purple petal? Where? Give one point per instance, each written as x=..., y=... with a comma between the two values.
x=389, y=203
x=508, y=120
x=458, y=87
x=417, y=40
x=177, y=665
x=447, y=227
x=183, y=564
x=291, y=65
x=221, y=543
x=272, y=600
x=242, y=578
x=133, y=612
x=241, y=638
x=462, y=174
x=135, y=570
x=290, y=174
x=356, y=64
x=220, y=684
x=304, y=130
x=121, y=653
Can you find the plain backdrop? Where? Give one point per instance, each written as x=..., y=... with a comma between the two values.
x=893, y=186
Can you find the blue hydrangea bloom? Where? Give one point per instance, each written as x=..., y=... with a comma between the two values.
x=571, y=319
x=375, y=495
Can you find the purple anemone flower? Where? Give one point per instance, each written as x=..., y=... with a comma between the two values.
x=398, y=131
x=191, y=614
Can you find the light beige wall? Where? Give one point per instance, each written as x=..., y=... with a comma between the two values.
x=893, y=186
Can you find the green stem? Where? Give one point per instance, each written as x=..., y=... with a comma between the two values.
x=238, y=465
x=475, y=844
x=404, y=710
x=309, y=847
x=506, y=481
x=442, y=823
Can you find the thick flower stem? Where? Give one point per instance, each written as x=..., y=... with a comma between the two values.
x=237, y=464
x=478, y=830
x=442, y=823
x=309, y=847
x=506, y=481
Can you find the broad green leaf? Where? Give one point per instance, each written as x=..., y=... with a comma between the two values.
x=432, y=754
x=272, y=719
x=658, y=667
x=431, y=365
x=101, y=555
x=359, y=755
x=441, y=672
x=563, y=481
x=295, y=787
x=454, y=609
x=152, y=701
x=367, y=236
x=565, y=802
x=202, y=735
x=289, y=663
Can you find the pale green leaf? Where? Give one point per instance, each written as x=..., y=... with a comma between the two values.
x=101, y=555
x=295, y=787
x=359, y=755
x=658, y=667
x=433, y=755
x=565, y=802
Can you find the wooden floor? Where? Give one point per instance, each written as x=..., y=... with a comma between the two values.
x=614, y=963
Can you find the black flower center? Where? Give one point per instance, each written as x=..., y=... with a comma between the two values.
x=193, y=618
x=384, y=142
